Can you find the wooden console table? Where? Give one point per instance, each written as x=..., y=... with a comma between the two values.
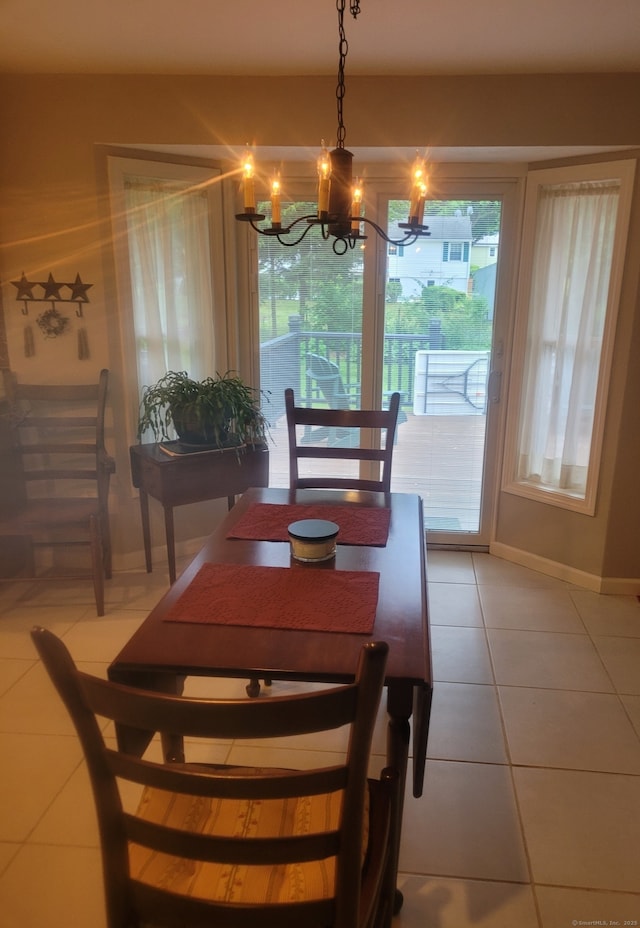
x=178, y=479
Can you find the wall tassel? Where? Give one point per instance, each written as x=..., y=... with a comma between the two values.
x=29, y=346
x=83, y=345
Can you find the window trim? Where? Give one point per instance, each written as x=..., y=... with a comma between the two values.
x=625, y=172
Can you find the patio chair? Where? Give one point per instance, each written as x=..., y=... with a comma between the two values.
x=62, y=473
x=328, y=380
x=237, y=847
x=326, y=375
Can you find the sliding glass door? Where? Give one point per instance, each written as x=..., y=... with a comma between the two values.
x=354, y=328
x=438, y=334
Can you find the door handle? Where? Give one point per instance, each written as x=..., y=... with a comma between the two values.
x=494, y=386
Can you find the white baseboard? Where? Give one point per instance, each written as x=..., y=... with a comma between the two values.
x=608, y=585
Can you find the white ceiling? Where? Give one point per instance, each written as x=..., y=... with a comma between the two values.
x=255, y=37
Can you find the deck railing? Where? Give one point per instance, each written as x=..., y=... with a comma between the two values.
x=283, y=362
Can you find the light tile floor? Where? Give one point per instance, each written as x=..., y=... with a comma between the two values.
x=531, y=811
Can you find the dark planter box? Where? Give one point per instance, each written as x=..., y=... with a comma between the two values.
x=178, y=479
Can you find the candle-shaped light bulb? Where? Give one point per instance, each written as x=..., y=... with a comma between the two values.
x=275, y=200
x=247, y=183
x=418, y=175
x=422, y=197
x=324, y=180
x=355, y=206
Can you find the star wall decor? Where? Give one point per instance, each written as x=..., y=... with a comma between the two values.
x=79, y=290
x=51, y=291
x=25, y=288
x=51, y=322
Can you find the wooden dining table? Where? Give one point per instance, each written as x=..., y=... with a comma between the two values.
x=190, y=631
x=163, y=652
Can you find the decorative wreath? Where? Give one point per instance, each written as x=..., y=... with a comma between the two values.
x=52, y=323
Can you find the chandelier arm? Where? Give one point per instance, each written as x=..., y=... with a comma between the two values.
x=302, y=235
x=411, y=236
x=341, y=245
x=276, y=231
x=279, y=233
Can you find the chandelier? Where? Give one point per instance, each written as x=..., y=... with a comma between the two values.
x=340, y=200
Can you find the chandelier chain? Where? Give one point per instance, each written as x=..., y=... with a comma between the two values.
x=343, y=51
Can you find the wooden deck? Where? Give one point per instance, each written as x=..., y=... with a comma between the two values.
x=439, y=457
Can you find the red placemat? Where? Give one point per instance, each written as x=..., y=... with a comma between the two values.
x=359, y=525
x=280, y=597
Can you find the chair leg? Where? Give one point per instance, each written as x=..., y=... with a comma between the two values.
x=106, y=547
x=97, y=564
x=30, y=556
x=253, y=686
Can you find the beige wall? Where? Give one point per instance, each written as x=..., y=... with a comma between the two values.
x=51, y=221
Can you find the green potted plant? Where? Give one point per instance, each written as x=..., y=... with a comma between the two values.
x=220, y=411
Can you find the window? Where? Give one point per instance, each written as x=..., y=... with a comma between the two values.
x=167, y=286
x=575, y=232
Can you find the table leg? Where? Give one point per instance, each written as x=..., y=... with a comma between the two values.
x=133, y=740
x=421, y=716
x=172, y=748
x=171, y=542
x=399, y=708
x=146, y=530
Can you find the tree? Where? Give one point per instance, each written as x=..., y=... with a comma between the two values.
x=328, y=287
x=394, y=291
x=336, y=299
x=463, y=319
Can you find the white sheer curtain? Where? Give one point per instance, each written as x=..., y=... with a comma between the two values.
x=171, y=282
x=568, y=304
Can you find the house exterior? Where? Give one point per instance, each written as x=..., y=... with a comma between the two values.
x=442, y=260
x=485, y=250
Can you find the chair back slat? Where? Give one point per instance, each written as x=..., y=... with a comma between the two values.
x=210, y=782
x=223, y=719
x=58, y=473
x=59, y=422
x=57, y=392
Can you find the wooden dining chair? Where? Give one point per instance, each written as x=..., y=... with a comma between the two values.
x=61, y=474
x=341, y=440
x=237, y=847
